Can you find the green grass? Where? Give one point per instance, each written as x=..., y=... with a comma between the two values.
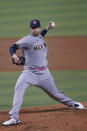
x=70, y=16
x=72, y=83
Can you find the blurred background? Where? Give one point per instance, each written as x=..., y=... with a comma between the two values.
x=67, y=47
x=70, y=16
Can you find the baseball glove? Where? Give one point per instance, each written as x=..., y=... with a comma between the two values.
x=21, y=61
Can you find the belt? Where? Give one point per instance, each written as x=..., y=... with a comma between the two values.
x=38, y=68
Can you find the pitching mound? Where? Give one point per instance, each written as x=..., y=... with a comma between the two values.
x=48, y=118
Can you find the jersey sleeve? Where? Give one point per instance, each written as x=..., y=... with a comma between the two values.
x=13, y=49
x=43, y=32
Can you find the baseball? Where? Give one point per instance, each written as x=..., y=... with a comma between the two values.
x=53, y=24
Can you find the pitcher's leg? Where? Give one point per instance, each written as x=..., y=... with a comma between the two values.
x=50, y=88
x=20, y=88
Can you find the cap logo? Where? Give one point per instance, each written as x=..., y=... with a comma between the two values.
x=34, y=22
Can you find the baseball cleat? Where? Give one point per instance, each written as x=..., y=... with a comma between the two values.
x=78, y=105
x=11, y=121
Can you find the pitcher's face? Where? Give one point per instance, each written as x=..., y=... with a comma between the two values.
x=35, y=31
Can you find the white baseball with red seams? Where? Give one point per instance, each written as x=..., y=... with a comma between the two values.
x=52, y=24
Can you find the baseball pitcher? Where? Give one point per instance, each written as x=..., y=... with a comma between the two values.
x=35, y=71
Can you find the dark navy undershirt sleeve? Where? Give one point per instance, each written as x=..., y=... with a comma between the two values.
x=43, y=32
x=13, y=49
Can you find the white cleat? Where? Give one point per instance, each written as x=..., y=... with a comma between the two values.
x=78, y=105
x=11, y=121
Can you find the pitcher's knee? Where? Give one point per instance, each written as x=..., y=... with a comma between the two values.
x=20, y=88
x=55, y=95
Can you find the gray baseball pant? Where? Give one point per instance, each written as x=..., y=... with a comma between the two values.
x=42, y=79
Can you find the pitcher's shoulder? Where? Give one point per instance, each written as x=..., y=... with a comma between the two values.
x=27, y=39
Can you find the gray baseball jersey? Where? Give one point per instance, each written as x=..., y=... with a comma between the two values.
x=34, y=50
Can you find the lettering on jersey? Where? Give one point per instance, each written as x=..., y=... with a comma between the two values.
x=38, y=47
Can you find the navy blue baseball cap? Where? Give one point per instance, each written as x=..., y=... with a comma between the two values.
x=35, y=24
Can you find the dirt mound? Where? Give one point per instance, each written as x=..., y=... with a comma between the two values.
x=48, y=118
